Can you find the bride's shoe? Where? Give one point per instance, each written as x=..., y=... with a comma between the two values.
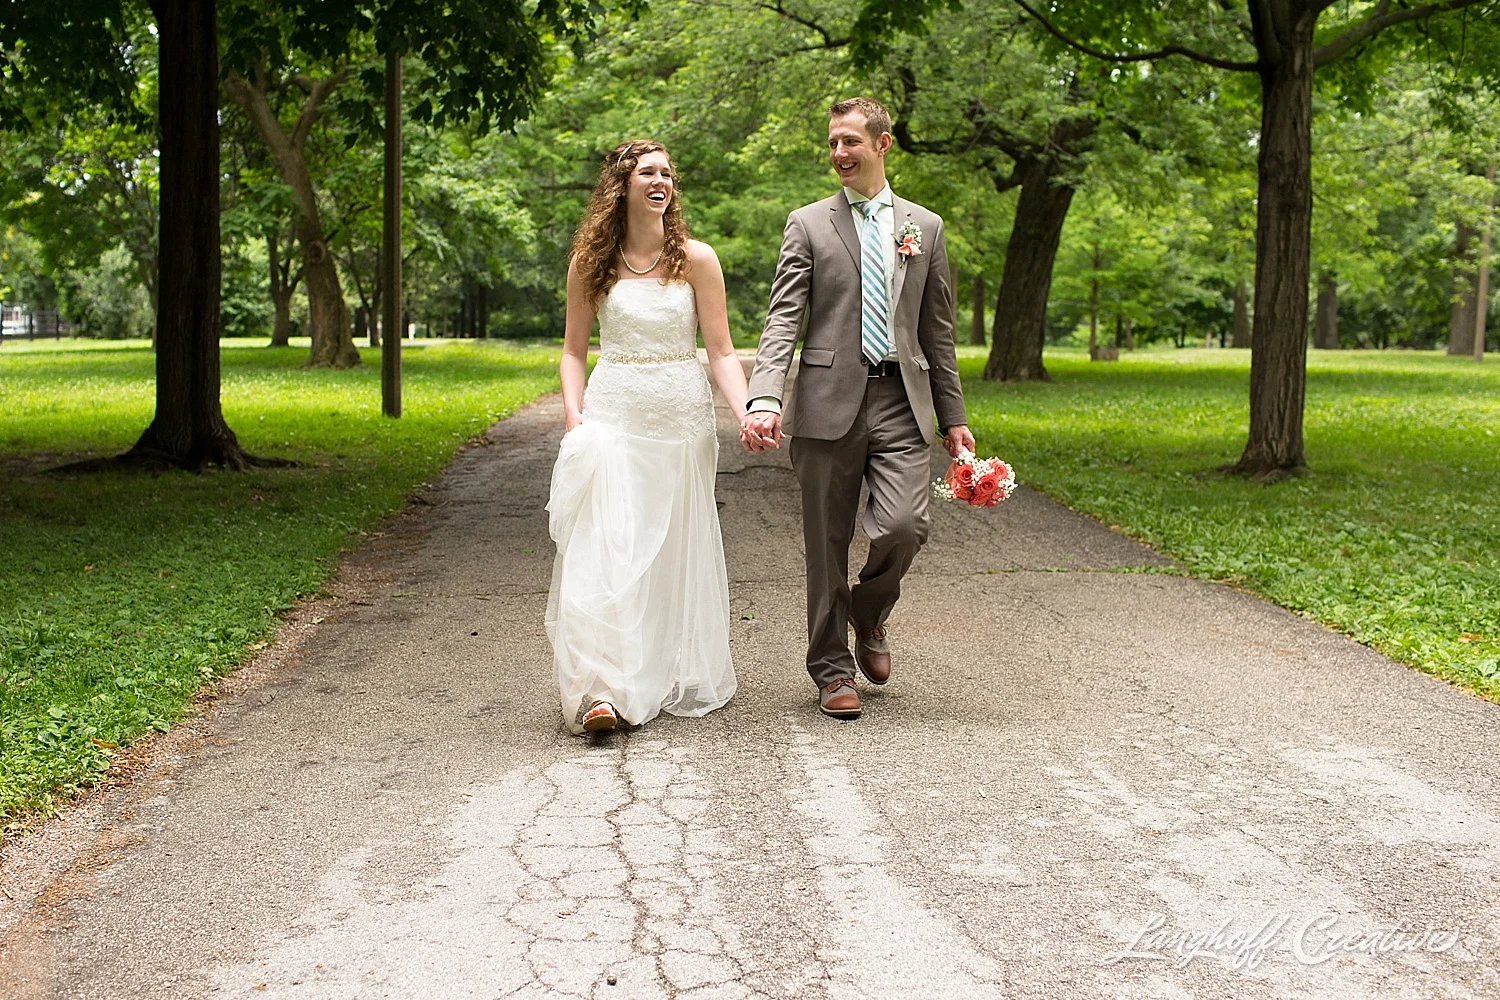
x=600, y=718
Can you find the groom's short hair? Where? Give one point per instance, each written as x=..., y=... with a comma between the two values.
x=877, y=118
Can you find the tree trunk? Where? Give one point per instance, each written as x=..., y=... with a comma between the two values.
x=327, y=315
x=1129, y=334
x=1465, y=294
x=281, y=332
x=976, y=326
x=1482, y=286
x=390, y=242
x=1094, y=317
x=281, y=293
x=1283, y=239
x=1326, y=316
x=188, y=430
x=373, y=305
x=364, y=312
x=1241, y=336
x=1020, y=329
x=955, y=278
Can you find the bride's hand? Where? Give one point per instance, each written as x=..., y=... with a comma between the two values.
x=747, y=440
x=573, y=420
x=760, y=430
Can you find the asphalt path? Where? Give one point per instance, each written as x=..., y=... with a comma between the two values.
x=1087, y=778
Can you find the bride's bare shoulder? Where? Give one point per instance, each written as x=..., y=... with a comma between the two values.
x=698, y=251
x=703, y=269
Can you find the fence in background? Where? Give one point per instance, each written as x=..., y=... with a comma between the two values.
x=24, y=323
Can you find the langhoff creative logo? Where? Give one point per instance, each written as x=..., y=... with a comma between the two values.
x=1313, y=940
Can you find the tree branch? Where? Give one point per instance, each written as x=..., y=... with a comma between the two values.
x=315, y=99
x=252, y=97
x=1246, y=30
x=1263, y=27
x=829, y=42
x=1004, y=183
x=1169, y=50
x=1382, y=19
x=986, y=134
x=940, y=147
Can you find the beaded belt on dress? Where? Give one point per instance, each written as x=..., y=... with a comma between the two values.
x=631, y=358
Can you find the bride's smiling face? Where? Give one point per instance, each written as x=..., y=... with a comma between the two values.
x=651, y=185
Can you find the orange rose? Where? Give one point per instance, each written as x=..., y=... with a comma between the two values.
x=987, y=489
x=960, y=480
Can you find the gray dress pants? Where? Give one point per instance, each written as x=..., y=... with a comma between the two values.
x=887, y=449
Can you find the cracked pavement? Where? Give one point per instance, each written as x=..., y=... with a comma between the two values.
x=1076, y=769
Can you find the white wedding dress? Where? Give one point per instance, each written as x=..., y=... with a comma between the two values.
x=638, y=613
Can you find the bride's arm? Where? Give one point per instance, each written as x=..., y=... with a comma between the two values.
x=573, y=367
x=707, y=278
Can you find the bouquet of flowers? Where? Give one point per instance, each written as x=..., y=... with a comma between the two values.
x=978, y=482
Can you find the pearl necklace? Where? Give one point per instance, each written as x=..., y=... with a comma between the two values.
x=650, y=267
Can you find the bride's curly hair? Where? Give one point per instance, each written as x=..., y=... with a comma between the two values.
x=596, y=244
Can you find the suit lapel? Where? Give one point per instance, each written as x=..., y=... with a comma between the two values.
x=843, y=224
x=902, y=215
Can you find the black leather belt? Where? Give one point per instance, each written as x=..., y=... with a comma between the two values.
x=884, y=368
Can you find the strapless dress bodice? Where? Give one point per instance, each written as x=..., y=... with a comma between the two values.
x=648, y=381
x=642, y=321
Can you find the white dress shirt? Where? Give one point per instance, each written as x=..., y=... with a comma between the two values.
x=885, y=219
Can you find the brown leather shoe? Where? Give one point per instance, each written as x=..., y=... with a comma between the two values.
x=872, y=653
x=840, y=700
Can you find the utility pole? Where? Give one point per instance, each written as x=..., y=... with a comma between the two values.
x=390, y=244
x=1482, y=296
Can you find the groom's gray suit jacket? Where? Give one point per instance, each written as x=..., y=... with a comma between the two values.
x=817, y=289
x=849, y=428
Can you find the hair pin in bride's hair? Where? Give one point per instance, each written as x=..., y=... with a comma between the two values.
x=623, y=153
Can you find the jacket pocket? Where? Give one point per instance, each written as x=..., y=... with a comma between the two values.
x=817, y=356
x=921, y=360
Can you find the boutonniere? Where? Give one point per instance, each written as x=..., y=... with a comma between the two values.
x=909, y=241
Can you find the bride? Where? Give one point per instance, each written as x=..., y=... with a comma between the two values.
x=638, y=614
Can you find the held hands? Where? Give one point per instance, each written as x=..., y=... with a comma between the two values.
x=760, y=430
x=956, y=439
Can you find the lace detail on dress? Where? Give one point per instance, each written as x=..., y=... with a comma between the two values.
x=632, y=358
x=648, y=380
x=647, y=317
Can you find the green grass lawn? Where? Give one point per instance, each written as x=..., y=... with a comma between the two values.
x=121, y=594
x=1393, y=537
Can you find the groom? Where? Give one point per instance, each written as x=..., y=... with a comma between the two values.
x=863, y=282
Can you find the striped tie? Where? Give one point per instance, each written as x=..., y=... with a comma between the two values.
x=875, y=324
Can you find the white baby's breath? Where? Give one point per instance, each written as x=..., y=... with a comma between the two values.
x=942, y=489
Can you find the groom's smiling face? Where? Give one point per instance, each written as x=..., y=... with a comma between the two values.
x=857, y=156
